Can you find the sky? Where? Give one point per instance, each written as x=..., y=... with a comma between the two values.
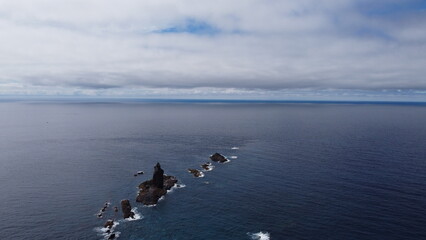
x=239, y=49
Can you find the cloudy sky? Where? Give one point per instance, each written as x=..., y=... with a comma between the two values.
x=262, y=49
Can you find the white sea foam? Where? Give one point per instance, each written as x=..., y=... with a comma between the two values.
x=117, y=234
x=137, y=216
x=152, y=205
x=201, y=174
x=176, y=186
x=259, y=236
x=103, y=231
x=234, y=157
x=235, y=148
x=209, y=168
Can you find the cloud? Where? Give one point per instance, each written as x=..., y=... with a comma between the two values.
x=250, y=45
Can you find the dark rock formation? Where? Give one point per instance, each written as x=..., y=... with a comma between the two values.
x=127, y=209
x=115, y=209
x=157, y=178
x=109, y=224
x=112, y=236
x=207, y=166
x=105, y=207
x=152, y=190
x=218, y=158
x=195, y=172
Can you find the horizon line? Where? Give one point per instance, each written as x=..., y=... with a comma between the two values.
x=196, y=100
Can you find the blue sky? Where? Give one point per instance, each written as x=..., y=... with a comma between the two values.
x=250, y=49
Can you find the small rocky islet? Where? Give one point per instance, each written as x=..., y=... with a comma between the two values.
x=208, y=166
x=195, y=172
x=138, y=173
x=217, y=157
x=152, y=190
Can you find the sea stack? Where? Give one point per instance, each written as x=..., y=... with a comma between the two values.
x=217, y=157
x=127, y=209
x=152, y=190
x=157, y=178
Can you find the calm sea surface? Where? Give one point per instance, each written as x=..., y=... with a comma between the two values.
x=301, y=171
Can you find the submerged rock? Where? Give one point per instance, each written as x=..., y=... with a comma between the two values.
x=112, y=236
x=127, y=209
x=152, y=190
x=217, y=157
x=195, y=172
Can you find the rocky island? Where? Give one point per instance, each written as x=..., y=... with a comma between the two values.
x=195, y=172
x=217, y=157
x=207, y=166
x=152, y=190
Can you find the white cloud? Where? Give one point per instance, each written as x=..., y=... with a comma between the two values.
x=80, y=46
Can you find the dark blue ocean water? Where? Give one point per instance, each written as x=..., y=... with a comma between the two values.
x=304, y=171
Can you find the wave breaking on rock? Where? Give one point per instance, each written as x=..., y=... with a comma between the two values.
x=259, y=236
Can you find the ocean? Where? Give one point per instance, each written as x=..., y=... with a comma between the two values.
x=297, y=170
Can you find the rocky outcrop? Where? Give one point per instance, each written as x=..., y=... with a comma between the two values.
x=207, y=166
x=157, y=178
x=109, y=224
x=152, y=190
x=195, y=172
x=127, y=209
x=218, y=158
